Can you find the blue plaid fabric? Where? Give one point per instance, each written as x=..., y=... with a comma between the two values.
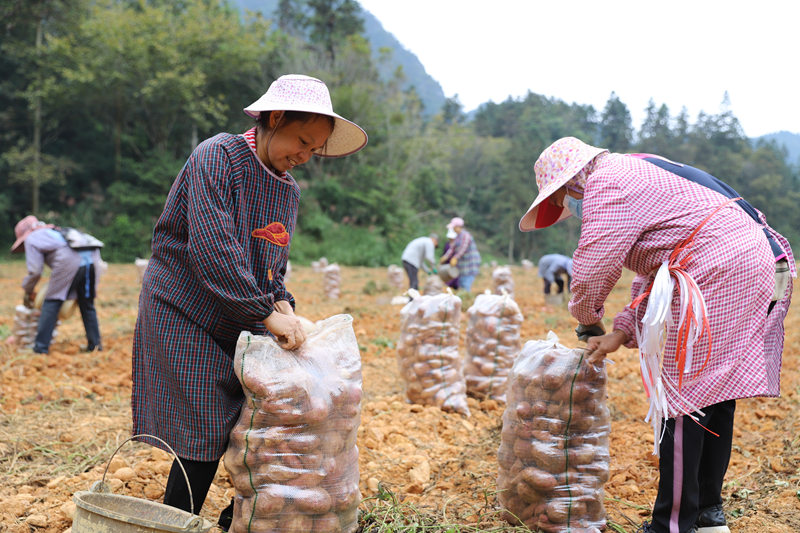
x=207, y=280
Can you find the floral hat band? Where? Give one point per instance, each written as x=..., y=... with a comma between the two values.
x=558, y=164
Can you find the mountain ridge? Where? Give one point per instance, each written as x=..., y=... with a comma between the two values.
x=429, y=90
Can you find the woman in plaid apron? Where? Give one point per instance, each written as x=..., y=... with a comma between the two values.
x=220, y=250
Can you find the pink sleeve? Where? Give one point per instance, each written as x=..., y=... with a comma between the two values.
x=626, y=319
x=608, y=232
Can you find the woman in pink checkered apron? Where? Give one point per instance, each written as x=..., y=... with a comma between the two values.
x=712, y=289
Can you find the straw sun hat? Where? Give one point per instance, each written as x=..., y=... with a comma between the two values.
x=25, y=227
x=558, y=163
x=296, y=92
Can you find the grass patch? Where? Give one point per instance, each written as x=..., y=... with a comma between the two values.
x=385, y=513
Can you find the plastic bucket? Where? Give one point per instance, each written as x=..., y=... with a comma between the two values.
x=100, y=511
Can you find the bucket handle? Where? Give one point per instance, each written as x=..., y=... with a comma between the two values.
x=104, y=488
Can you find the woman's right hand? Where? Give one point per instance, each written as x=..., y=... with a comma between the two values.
x=287, y=329
x=598, y=347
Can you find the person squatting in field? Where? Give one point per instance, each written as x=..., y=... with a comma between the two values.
x=219, y=255
x=674, y=224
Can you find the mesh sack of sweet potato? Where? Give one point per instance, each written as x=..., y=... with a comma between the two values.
x=292, y=454
x=553, y=456
x=319, y=266
x=332, y=281
x=427, y=352
x=26, y=325
x=396, y=276
x=503, y=280
x=433, y=285
x=26, y=322
x=492, y=345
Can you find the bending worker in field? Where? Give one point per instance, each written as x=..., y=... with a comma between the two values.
x=690, y=240
x=220, y=251
x=463, y=254
x=72, y=277
x=552, y=269
x=420, y=253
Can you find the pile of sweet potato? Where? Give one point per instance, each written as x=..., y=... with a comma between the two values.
x=492, y=344
x=292, y=455
x=553, y=457
x=428, y=354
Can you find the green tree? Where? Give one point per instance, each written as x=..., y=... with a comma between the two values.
x=655, y=135
x=27, y=26
x=616, y=132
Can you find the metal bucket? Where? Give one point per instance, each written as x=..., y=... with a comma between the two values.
x=100, y=511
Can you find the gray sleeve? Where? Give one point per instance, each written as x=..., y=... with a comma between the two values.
x=429, y=249
x=34, y=260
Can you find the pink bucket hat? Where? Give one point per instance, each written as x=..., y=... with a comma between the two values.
x=558, y=163
x=25, y=227
x=296, y=92
x=455, y=222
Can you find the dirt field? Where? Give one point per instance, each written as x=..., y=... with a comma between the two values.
x=62, y=416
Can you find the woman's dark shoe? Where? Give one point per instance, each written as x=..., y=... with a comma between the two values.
x=647, y=528
x=712, y=520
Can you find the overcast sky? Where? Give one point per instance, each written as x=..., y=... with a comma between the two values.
x=680, y=53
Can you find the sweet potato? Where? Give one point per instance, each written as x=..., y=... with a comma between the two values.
x=312, y=500
x=540, y=480
x=294, y=523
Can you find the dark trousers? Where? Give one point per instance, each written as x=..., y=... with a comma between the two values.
x=84, y=287
x=559, y=283
x=201, y=475
x=411, y=272
x=692, y=466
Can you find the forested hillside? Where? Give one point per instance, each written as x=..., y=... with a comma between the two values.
x=102, y=101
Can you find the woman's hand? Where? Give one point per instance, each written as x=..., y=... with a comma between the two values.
x=598, y=347
x=282, y=306
x=287, y=329
x=29, y=299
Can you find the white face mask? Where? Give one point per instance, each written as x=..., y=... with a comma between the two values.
x=575, y=207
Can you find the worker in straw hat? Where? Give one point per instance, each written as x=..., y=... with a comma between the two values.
x=219, y=255
x=712, y=288
x=463, y=254
x=72, y=277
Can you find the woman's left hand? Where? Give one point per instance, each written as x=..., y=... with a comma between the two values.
x=287, y=329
